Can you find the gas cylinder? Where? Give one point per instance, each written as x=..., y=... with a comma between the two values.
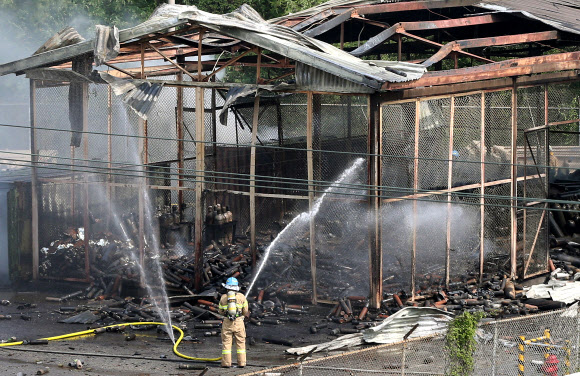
x=232, y=310
x=219, y=217
x=209, y=216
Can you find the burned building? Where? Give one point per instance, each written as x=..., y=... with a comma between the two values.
x=452, y=105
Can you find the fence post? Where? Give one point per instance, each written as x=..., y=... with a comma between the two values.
x=521, y=353
x=404, y=358
x=577, y=337
x=494, y=348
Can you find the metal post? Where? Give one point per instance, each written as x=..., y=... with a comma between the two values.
x=415, y=189
x=253, y=179
x=547, y=172
x=577, y=352
x=34, y=181
x=141, y=196
x=310, y=167
x=521, y=354
x=109, y=153
x=403, y=361
x=199, y=48
x=180, y=144
x=513, y=185
x=449, y=185
x=200, y=176
x=374, y=201
x=86, y=219
x=494, y=354
x=142, y=193
x=73, y=208
x=399, y=47
x=482, y=153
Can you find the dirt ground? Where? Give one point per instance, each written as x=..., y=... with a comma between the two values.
x=109, y=354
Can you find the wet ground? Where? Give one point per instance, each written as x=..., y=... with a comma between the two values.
x=109, y=354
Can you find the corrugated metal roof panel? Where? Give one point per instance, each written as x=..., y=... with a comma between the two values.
x=245, y=24
x=562, y=14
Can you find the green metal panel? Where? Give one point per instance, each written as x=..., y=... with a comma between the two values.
x=20, y=232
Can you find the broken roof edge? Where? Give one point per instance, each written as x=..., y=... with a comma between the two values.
x=244, y=24
x=66, y=53
x=502, y=9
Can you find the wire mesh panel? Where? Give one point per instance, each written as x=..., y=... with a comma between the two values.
x=162, y=126
x=497, y=228
x=125, y=141
x=288, y=257
x=54, y=146
x=466, y=167
x=532, y=232
x=432, y=174
x=340, y=212
x=397, y=170
x=465, y=215
x=500, y=344
x=499, y=348
x=291, y=161
x=464, y=230
x=534, y=192
x=564, y=103
x=342, y=228
x=498, y=148
x=434, y=128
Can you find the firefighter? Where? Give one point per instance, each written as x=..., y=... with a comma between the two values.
x=234, y=306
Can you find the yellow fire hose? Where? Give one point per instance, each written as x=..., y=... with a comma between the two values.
x=92, y=331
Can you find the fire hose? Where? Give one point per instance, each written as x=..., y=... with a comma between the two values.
x=95, y=331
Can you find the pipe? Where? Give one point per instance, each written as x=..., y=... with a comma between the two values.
x=92, y=331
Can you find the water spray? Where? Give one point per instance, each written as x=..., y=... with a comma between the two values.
x=305, y=216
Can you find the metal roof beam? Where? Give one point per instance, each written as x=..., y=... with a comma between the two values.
x=414, y=5
x=445, y=50
x=65, y=54
x=507, y=68
x=384, y=35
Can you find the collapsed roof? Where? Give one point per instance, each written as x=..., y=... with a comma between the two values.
x=340, y=46
x=246, y=25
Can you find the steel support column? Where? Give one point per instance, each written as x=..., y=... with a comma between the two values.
x=34, y=181
x=86, y=209
x=449, y=197
x=482, y=153
x=200, y=176
x=415, y=191
x=514, y=184
x=180, y=145
x=310, y=166
x=374, y=202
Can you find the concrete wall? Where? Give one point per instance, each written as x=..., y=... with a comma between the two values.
x=4, y=265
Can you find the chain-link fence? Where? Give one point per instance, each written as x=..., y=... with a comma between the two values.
x=519, y=346
x=451, y=204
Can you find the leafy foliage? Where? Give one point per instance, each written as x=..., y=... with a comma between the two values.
x=461, y=344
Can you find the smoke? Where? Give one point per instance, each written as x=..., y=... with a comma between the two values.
x=22, y=34
x=14, y=98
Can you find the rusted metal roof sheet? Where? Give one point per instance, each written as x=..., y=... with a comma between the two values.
x=247, y=25
x=562, y=14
